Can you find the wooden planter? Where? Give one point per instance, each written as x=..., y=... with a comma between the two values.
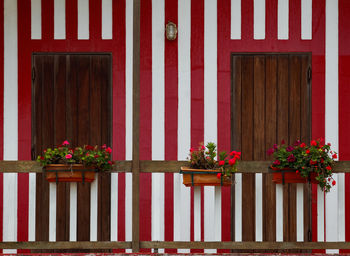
x=200, y=177
x=282, y=176
x=69, y=173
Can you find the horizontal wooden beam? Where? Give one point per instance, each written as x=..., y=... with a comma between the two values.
x=66, y=245
x=159, y=166
x=179, y=245
x=247, y=245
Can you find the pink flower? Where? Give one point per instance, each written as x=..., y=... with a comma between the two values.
x=233, y=153
x=333, y=183
x=68, y=156
x=109, y=150
x=232, y=161
x=218, y=175
x=203, y=147
x=192, y=149
x=313, y=143
x=334, y=156
x=276, y=162
x=222, y=162
x=110, y=162
x=103, y=146
x=329, y=168
x=65, y=143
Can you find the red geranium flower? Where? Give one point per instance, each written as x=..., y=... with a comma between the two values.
x=222, y=162
x=218, y=175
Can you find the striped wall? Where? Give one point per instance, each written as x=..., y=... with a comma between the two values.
x=185, y=99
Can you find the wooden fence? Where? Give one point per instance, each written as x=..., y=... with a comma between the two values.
x=285, y=239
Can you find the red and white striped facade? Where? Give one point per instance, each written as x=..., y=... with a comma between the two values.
x=185, y=99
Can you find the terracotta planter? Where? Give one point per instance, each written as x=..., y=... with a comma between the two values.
x=282, y=176
x=69, y=173
x=200, y=177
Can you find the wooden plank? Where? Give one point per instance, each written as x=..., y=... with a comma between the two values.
x=269, y=188
x=282, y=98
x=42, y=207
x=71, y=96
x=248, y=180
x=180, y=245
x=104, y=207
x=136, y=129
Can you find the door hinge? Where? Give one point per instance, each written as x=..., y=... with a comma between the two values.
x=33, y=74
x=33, y=153
x=309, y=75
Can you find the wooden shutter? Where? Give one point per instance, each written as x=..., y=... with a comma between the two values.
x=270, y=103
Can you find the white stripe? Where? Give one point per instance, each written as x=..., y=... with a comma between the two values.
x=128, y=209
x=10, y=81
x=210, y=111
x=107, y=19
x=93, y=209
x=10, y=208
x=259, y=19
x=114, y=207
x=83, y=19
x=128, y=78
x=182, y=194
x=182, y=210
x=52, y=211
x=258, y=208
x=197, y=213
x=283, y=19
x=306, y=19
x=236, y=22
x=209, y=213
x=36, y=19
x=300, y=212
x=320, y=214
x=73, y=208
x=184, y=73
x=158, y=80
x=31, y=206
x=217, y=214
x=279, y=213
x=341, y=206
x=238, y=207
x=331, y=116
x=59, y=19
x=210, y=71
x=158, y=117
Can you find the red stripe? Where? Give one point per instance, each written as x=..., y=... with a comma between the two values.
x=344, y=95
x=23, y=209
x=271, y=20
x=24, y=117
x=247, y=19
x=47, y=19
x=295, y=19
x=119, y=79
x=224, y=100
x=1, y=205
x=171, y=119
x=71, y=19
x=197, y=88
x=95, y=16
x=1, y=93
x=145, y=118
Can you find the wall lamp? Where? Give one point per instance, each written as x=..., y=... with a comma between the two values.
x=171, y=31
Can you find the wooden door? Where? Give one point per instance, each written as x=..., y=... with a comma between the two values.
x=72, y=100
x=270, y=103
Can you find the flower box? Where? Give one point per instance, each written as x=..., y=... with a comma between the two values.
x=69, y=173
x=202, y=177
x=282, y=176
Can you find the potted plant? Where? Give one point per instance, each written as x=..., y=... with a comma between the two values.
x=67, y=164
x=205, y=170
x=301, y=163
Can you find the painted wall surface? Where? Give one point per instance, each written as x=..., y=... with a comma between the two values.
x=185, y=99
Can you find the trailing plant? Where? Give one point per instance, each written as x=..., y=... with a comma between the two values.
x=305, y=159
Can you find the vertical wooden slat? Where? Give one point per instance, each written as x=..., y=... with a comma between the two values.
x=59, y=105
x=305, y=136
x=71, y=98
x=236, y=120
x=269, y=188
x=83, y=106
x=248, y=180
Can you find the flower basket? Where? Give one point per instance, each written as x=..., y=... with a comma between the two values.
x=69, y=173
x=287, y=175
x=202, y=177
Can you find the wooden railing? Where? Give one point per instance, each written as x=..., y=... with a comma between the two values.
x=136, y=244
